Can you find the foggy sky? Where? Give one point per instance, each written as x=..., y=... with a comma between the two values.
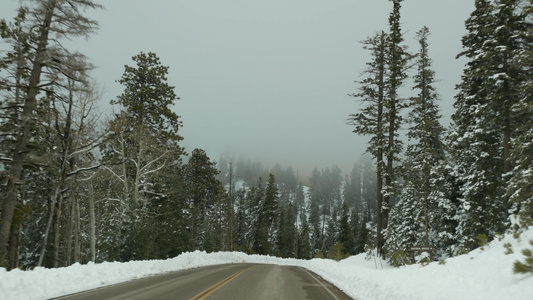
x=267, y=80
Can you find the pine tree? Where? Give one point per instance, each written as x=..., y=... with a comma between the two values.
x=412, y=220
x=346, y=235
x=520, y=189
x=202, y=190
x=370, y=121
x=265, y=234
x=304, y=244
x=382, y=117
x=144, y=134
x=331, y=234
x=287, y=231
x=397, y=61
x=361, y=234
x=483, y=127
x=142, y=145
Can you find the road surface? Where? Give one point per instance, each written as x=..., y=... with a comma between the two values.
x=234, y=281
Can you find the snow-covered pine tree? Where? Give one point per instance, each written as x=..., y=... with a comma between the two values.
x=475, y=138
x=413, y=218
x=397, y=60
x=381, y=119
x=520, y=189
x=482, y=123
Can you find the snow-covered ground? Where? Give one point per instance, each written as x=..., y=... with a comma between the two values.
x=481, y=274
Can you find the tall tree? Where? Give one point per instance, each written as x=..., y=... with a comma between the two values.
x=422, y=194
x=482, y=121
x=143, y=140
x=520, y=189
x=397, y=63
x=145, y=132
x=370, y=121
x=381, y=118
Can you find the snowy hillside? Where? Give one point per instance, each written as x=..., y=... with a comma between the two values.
x=481, y=274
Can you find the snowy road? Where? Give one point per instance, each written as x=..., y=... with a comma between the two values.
x=233, y=281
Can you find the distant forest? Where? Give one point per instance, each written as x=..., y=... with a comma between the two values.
x=78, y=187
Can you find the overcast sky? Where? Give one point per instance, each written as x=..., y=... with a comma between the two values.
x=267, y=79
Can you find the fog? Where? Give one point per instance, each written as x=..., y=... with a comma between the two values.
x=267, y=80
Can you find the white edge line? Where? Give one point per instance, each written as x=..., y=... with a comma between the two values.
x=325, y=287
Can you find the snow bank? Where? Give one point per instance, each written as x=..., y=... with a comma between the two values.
x=481, y=274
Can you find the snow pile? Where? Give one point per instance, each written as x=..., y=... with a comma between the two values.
x=481, y=274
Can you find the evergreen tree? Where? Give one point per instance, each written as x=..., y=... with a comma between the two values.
x=202, y=192
x=288, y=234
x=382, y=118
x=299, y=199
x=304, y=244
x=520, y=189
x=262, y=238
x=241, y=222
x=370, y=121
x=412, y=220
x=359, y=232
x=483, y=127
x=346, y=235
x=142, y=144
x=314, y=224
x=331, y=233
x=397, y=61
x=144, y=134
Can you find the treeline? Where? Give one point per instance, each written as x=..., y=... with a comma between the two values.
x=279, y=216
x=453, y=189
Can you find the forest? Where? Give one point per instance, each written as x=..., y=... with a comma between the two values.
x=77, y=187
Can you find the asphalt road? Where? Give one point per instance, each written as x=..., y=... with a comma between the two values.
x=234, y=281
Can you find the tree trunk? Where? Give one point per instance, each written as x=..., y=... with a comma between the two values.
x=70, y=234
x=506, y=151
x=57, y=230
x=77, y=232
x=48, y=225
x=92, y=224
x=14, y=241
x=379, y=156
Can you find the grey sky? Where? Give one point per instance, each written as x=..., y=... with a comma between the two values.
x=267, y=79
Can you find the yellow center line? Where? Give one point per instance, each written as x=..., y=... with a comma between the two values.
x=209, y=291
